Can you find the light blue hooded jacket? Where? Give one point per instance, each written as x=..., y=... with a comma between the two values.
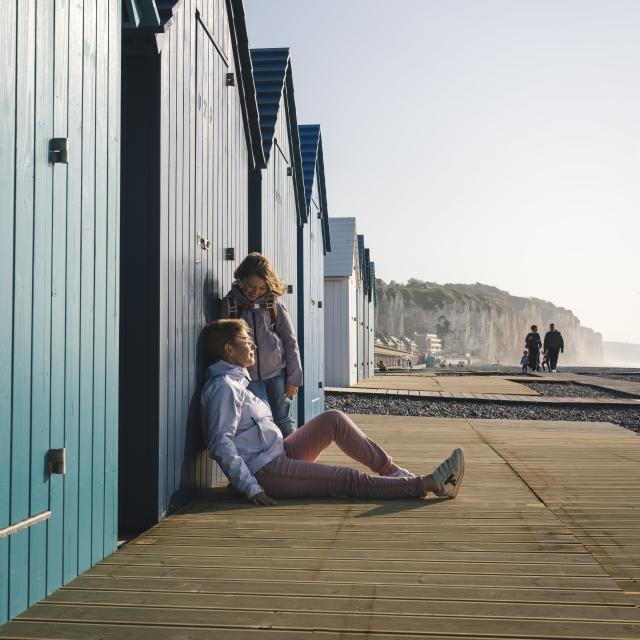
x=238, y=427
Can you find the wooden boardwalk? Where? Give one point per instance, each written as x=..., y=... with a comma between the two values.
x=542, y=542
x=451, y=384
x=498, y=388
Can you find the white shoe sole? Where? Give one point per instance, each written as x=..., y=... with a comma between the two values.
x=456, y=486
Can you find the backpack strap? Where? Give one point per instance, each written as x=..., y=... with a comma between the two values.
x=236, y=310
x=233, y=307
x=271, y=308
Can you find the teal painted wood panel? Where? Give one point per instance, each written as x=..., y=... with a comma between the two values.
x=41, y=301
x=8, y=17
x=87, y=288
x=59, y=261
x=22, y=310
x=100, y=287
x=113, y=281
x=58, y=294
x=72, y=297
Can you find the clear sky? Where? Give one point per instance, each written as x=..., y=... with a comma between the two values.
x=493, y=141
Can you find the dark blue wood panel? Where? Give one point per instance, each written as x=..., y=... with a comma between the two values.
x=182, y=176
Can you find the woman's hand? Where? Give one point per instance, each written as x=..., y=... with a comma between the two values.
x=262, y=499
x=290, y=390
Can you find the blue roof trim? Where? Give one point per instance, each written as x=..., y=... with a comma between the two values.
x=269, y=74
x=273, y=79
x=363, y=271
x=313, y=166
x=374, y=291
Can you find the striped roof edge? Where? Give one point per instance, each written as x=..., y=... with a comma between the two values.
x=367, y=266
x=273, y=79
x=313, y=167
x=372, y=280
x=157, y=16
x=361, y=260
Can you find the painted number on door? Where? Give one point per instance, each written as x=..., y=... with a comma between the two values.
x=205, y=108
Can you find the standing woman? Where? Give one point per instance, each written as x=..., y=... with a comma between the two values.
x=243, y=439
x=255, y=297
x=533, y=344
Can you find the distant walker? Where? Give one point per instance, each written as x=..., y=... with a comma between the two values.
x=553, y=345
x=533, y=344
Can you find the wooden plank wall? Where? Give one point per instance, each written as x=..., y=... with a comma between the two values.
x=311, y=285
x=279, y=221
x=186, y=179
x=340, y=347
x=59, y=285
x=370, y=337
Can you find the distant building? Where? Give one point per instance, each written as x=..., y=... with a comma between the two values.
x=428, y=344
x=394, y=352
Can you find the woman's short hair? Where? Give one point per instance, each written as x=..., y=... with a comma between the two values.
x=255, y=264
x=534, y=327
x=218, y=334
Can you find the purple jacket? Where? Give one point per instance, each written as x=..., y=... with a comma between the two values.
x=277, y=345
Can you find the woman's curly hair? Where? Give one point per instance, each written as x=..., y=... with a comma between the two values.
x=255, y=264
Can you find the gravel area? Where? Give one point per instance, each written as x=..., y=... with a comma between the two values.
x=569, y=390
x=377, y=405
x=630, y=377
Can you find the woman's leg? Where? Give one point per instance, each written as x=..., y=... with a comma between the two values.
x=280, y=404
x=308, y=442
x=285, y=477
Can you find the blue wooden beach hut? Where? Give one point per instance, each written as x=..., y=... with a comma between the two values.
x=313, y=244
x=59, y=180
x=277, y=208
x=190, y=137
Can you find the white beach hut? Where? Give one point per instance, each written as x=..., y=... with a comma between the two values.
x=341, y=282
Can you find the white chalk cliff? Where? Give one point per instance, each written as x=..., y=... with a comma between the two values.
x=489, y=323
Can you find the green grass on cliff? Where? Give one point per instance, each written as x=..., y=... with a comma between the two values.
x=430, y=295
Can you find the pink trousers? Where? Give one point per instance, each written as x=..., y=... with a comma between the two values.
x=295, y=473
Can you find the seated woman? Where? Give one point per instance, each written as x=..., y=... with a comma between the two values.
x=244, y=440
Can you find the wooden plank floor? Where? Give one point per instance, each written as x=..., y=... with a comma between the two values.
x=547, y=514
x=451, y=384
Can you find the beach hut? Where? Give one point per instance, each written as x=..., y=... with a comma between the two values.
x=190, y=136
x=59, y=179
x=371, y=286
x=277, y=207
x=341, y=284
x=363, y=310
x=313, y=244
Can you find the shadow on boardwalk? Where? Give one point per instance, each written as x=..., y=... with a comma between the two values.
x=496, y=562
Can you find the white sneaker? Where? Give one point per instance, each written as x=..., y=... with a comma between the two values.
x=449, y=473
x=400, y=472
